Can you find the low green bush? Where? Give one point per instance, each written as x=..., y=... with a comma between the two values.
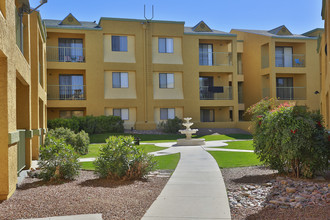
x=89, y=124
x=79, y=141
x=290, y=138
x=58, y=160
x=120, y=159
x=171, y=125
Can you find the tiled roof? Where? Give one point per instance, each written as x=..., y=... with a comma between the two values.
x=267, y=33
x=84, y=25
x=189, y=30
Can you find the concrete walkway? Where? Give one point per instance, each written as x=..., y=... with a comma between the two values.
x=72, y=217
x=196, y=189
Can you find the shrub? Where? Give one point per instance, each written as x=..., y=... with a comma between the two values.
x=120, y=159
x=171, y=125
x=89, y=124
x=58, y=160
x=79, y=141
x=290, y=138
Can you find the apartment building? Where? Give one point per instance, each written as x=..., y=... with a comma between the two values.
x=22, y=90
x=280, y=64
x=145, y=71
x=325, y=64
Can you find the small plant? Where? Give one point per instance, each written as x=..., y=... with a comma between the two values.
x=79, y=141
x=58, y=160
x=120, y=159
x=171, y=125
x=290, y=138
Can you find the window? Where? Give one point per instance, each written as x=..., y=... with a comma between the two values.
x=71, y=87
x=18, y=24
x=121, y=112
x=167, y=113
x=283, y=56
x=70, y=114
x=284, y=88
x=165, y=45
x=119, y=80
x=166, y=80
x=70, y=50
x=205, y=54
x=207, y=115
x=119, y=43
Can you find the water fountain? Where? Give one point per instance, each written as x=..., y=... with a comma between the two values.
x=188, y=141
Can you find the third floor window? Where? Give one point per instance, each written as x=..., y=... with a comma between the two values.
x=119, y=43
x=165, y=45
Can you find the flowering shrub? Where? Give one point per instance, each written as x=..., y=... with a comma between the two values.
x=290, y=138
x=120, y=159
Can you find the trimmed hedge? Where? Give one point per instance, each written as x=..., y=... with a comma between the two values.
x=89, y=124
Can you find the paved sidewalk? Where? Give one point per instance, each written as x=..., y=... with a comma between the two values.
x=72, y=217
x=196, y=189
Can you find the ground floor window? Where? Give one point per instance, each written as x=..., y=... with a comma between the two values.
x=207, y=115
x=167, y=113
x=121, y=112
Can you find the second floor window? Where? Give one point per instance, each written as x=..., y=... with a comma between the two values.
x=166, y=80
x=165, y=45
x=167, y=113
x=121, y=112
x=119, y=43
x=71, y=86
x=119, y=80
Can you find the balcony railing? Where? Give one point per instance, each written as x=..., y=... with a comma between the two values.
x=215, y=59
x=215, y=93
x=65, y=54
x=66, y=92
x=298, y=60
x=291, y=93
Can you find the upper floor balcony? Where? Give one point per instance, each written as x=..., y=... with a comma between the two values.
x=65, y=54
x=216, y=93
x=66, y=92
x=289, y=60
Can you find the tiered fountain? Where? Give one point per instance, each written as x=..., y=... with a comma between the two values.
x=188, y=141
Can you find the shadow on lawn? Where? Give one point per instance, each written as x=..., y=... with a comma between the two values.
x=106, y=183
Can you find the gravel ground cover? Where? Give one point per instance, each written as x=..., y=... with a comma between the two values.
x=86, y=195
x=259, y=193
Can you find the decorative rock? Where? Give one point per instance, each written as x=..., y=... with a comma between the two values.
x=284, y=182
x=290, y=190
x=299, y=198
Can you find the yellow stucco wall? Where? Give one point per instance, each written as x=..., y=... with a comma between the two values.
x=20, y=91
x=119, y=56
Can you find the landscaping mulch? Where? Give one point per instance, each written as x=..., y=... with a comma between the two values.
x=260, y=193
x=85, y=195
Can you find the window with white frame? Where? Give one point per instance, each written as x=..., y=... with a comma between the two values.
x=165, y=45
x=119, y=80
x=119, y=43
x=121, y=112
x=167, y=113
x=166, y=80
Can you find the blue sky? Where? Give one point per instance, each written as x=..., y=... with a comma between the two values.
x=298, y=15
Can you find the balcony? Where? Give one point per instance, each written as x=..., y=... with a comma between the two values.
x=216, y=93
x=291, y=93
x=296, y=60
x=66, y=92
x=66, y=54
x=215, y=59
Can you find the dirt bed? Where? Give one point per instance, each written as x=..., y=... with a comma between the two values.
x=86, y=195
x=259, y=193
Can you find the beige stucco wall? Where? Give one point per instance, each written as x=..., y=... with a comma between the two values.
x=119, y=56
x=119, y=93
x=167, y=58
x=168, y=93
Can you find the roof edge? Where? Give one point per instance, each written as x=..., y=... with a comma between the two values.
x=140, y=20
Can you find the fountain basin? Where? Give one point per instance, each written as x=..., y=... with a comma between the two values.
x=190, y=142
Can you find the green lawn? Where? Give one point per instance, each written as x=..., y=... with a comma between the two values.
x=159, y=138
x=240, y=145
x=235, y=159
x=93, y=149
x=167, y=162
